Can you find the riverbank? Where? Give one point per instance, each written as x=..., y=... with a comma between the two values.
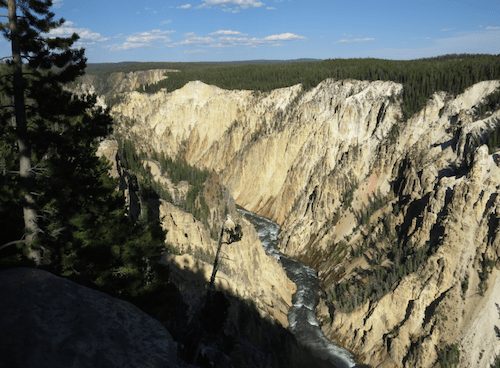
x=301, y=317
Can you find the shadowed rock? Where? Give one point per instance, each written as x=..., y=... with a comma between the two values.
x=47, y=321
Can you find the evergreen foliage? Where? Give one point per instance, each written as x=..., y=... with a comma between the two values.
x=129, y=157
x=179, y=170
x=176, y=169
x=487, y=265
x=449, y=357
x=375, y=202
x=83, y=231
x=491, y=103
x=496, y=362
x=386, y=268
x=420, y=78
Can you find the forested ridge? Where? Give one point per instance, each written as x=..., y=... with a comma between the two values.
x=420, y=78
x=104, y=69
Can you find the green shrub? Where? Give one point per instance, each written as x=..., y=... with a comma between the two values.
x=449, y=357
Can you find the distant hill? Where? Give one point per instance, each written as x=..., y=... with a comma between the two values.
x=452, y=73
x=130, y=66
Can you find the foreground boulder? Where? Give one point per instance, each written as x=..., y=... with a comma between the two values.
x=47, y=321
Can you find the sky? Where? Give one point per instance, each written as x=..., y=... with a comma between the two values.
x=233, y=30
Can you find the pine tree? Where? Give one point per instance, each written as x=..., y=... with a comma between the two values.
x=34, y=87
x=79, y=228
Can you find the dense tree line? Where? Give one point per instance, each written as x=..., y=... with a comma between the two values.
x=378, y=279
x=176, y=169
x=179, y=170
x=102, y=70
x=420, y=78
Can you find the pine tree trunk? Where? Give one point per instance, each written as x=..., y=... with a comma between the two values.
x=26, y=175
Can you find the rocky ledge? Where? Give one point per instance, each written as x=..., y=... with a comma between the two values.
x=50, y=322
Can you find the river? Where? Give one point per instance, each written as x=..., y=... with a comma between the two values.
x=302, y=318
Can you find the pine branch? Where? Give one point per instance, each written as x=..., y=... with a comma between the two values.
x=55, y=233
x=12, y=243
x=38, y=170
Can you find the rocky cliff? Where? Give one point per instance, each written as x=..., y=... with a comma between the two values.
x=109, y=87
x=244, y=268
x=398, y=217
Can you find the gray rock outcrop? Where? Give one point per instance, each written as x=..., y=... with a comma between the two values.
x=47, y=321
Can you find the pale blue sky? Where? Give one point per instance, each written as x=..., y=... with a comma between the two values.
x=228, y=30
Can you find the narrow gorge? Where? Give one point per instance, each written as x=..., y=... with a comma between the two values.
x=398, y=216
x=301, y=316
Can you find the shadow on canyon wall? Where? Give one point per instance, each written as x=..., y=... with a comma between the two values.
x=227, y=332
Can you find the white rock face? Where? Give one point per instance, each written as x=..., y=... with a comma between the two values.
x=268, y=134
x=293, y=156
x=117, y=83
x=169, y=120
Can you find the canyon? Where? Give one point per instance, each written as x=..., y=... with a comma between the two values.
x=316, y=162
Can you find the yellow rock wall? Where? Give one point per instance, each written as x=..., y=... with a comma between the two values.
x=292, y=156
